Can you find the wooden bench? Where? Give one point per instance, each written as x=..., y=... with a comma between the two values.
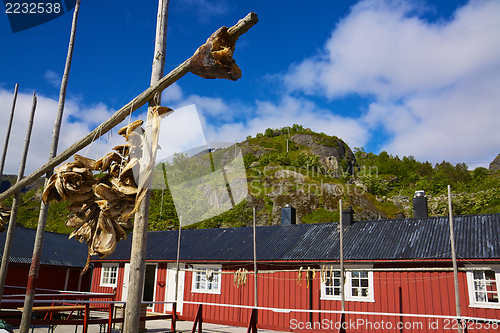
x=51, y=309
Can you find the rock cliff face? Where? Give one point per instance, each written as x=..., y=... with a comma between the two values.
x=330, y=150
x=495, y=164
x=290, y=187
x=272, y=187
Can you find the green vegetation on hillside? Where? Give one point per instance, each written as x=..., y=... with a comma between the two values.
x=375, y=185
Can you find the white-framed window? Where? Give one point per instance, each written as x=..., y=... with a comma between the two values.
x=483, y=288
x=358, y=284
x=109, y=275
x=331, y=285
x=206, y=279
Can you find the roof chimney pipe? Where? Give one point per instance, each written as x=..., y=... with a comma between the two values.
x=420, y=204
x=347, y=216
x=288, y=215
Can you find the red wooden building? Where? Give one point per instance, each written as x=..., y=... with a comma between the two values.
x=61, y=262
x=400, y=266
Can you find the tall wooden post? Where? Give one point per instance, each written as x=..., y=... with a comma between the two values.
x=15, y=202
x=255, y=260
x=342, y=278
x=178, y=259
x=139, y=240
x=7, y=136
x=42, y=219
x=454, y=257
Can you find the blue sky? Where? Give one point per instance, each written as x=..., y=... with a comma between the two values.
x=417, y=78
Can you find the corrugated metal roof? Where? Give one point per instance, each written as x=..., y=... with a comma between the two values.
x=57, y=250
x=477, y=237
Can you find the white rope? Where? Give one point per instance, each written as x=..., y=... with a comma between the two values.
x=388, y=269
x=283, y=310
x=279, y=310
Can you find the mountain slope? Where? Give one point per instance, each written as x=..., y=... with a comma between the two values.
x=310, y=171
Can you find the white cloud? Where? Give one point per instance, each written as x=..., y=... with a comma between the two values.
x=53, y=78
x=229, y=121
x=77, y=122
x=172, y=94
x=205, y=9
x=433, y=84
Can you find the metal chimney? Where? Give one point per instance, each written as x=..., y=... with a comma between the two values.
x=347, y=216
x=288, y=215
x=420, y=204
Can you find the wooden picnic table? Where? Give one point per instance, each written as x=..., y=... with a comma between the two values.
x=61, y=308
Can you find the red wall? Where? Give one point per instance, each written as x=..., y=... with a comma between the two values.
x=49, y=277
x=96, y=279
x=394, y=292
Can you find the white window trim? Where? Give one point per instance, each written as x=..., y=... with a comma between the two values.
x=101, y=284
x=470, y=287
x=348, y=285
x=214, y=268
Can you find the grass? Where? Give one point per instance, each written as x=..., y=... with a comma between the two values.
x=321, y=215
x=390, y=209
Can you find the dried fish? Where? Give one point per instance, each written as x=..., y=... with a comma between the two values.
x=115, y=170
x=214, y=59
x=68, y=166
x=87, y=163
x=104, y=242
x=125, y=131
x=4, y=216
x=122, y=187
x=50, y=193
x=60, y=188
x=125, y=224
x=106, y=192
x=123, y=150
x=77, y=219
x=119, y=231
x=129, y=166
x=101, y=205
x=76, y=197
x=104, y=162
x=134, y=139
x=83, y=233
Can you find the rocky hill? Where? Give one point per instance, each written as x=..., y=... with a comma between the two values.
x=310, y=171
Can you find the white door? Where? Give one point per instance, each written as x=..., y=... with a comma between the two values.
x=126, y=277
x=170, y=294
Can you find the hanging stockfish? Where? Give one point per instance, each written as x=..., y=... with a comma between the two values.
x=323, y=274
x=4, y=216
x=300, y=276
x=214, y=59
x=240, y=277
x=101, y=205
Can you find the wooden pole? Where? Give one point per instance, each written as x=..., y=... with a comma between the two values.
x=178, y=259
x=13, y=214
x=342, y=278
x=234, y=32
x=42, y=219
x=161, y=206
x=255, y=259
x=139, y=241
x=454, y=257
x=7, y=136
